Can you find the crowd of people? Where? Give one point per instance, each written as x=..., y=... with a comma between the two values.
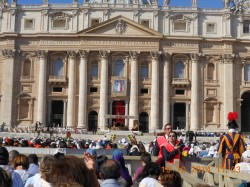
x=61, y=170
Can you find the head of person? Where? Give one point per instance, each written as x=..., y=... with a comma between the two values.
x=69, y=170
x=172, y=137
x=5, y=178
x=152, y=170
x=21, y=162
x=12, y=155
x=4, y=156
x=167, y=128
x=33, y=159
x=99, y=161
x=232, y=116
x=46, y=165
x=110, y=169
x=145, y=158
x=170, y=178
x=92, y=152
x=245, y=157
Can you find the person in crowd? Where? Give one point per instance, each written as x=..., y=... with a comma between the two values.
x=4, y=160
x=151, y=147
x=150, y=175
x=162, y=139
x=171, y=149
x=170, y=178
x=141, y=147
x=110, y=173
x=33, y=164
x=5, y=178
x=21, y=165
x=203, y=152
x=118, y=156
x=145, y=159
x=41, y=179
x=12, y=155
x=73, y=171
x=99, y=161
x=134, y=151
x=232, y=144
x=92, y=152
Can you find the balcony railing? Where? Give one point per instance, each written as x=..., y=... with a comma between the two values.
x=178, y=81
x=27, y=79
x=57, y=79
x=210, y=81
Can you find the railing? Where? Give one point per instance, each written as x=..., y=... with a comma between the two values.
x=29, y=6
x=180, y=81
x=53, y=78
x=246, y=83
x=27, y=78
x=209, y=81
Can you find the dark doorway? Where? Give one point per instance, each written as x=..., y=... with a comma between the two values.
x=57, y=113
x=143, y=122
x=118, y=108
x=179, y=116
x=245, y=111
x=93, y=121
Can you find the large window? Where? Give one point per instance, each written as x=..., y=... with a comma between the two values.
x=26, y=68
x=246, y=25
x=119, y=68
x=179, y=70
x=58, y=67
x=94, y=69
x=247, y=72
x=144, y=70
x=210, y=71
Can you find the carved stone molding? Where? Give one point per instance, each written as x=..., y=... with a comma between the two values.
x=74, y=13
x=8, y=53
x=104, y=54
x=136, y=12
x=41, y=54
x=228, y=58
x=84, y=53
x=226, y=17
x=44, y=12
x=155, y=54
x=120, y=27
x=105, y=12
x=155, y=13
x=196, y=57
x=27, y=54
x=72, y=54
x=134, y=54
x=85, y=11
x=167, y=56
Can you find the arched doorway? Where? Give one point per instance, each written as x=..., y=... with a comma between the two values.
x=245, y=111
x=92, y=120
x=57, y=113
x=179, y=116
x=143, y=122
x=118, y=108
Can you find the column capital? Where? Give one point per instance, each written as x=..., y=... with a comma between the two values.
x=155, y=54
x=134, y=54
x=167, y=56
x=104, y=54
x=84, y=53
x=195, y=57
x=9, y=53
x=72, y=54
x=228, y=58
x=41, y=54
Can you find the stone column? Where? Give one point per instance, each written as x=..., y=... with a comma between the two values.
x=103, y=89
x=228, y=93
x=41, y=99
x=64, y=113
x=82, y=106
x=71, y=90
x=126, y=113
x=155, y=91
x=172, y=113
x=187, y=116
x=166, y=89
x=7, y=87
x=195, y=93
x=133, y=103
x=110, y=112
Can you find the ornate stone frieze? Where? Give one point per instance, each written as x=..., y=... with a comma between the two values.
x=27, y=54
x=167, y=56
x=228, y=58
x=120, y=27
x=179, y=44
x=8, y=53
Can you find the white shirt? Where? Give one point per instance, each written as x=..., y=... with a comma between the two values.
x=150, y=182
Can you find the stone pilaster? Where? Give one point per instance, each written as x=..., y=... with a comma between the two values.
x=103, y=89
x=133, y=103
x=228, y=96
x=71, y=90
x=41, y=99
x=8, y=87
x=82, y=106
x=155, y=91
x=195, y=93
x=166, y=89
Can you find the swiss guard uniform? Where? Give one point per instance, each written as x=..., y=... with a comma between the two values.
x=232, y=144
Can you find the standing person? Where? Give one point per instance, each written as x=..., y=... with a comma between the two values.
x=162, y=139
x=33, y=164
x=232, y=144
x=171, y=149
